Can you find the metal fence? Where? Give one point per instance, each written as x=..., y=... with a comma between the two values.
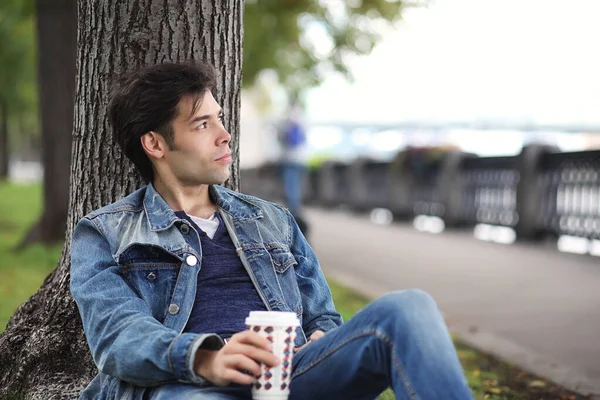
x=570, y=183
x=489, y=192
x=538, y=192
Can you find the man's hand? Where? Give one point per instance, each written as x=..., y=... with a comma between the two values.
x=245, y=351
x=315, y=336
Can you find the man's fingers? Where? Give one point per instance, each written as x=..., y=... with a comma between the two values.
x=239, y=361
x=235, y=376
x=242, y=363
x=252, y=338
x=297, y=349
x=254, y=353
x=317, y=335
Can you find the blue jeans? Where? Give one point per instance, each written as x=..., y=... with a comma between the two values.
x=399, y=340
x=293, y=176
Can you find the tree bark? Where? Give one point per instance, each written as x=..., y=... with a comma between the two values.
x=57, y=48
x=4, y=151
x=43, y=353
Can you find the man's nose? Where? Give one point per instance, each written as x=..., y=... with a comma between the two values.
x=225, y=136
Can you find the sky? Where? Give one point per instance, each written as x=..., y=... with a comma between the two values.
x=522, y=61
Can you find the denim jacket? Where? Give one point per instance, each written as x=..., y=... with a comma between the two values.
x=133, y=277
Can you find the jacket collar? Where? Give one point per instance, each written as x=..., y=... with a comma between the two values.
x=161, y=216
x=238, y=205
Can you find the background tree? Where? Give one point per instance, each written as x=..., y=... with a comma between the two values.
x=304, y=41
x=57, y=45
x=43, y=354
x=18, y=106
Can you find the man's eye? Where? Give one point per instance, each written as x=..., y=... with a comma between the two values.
x=201, y=126
x=221, y=118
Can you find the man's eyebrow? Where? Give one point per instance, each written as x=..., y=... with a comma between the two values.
x=203, y=117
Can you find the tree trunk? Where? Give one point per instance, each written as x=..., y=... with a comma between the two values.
x=43, y=353
x=57, y=44
x=4, y=151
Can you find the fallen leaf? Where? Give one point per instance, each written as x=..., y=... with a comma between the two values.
x=537, y=384
x=476, y=373
x=494, y=390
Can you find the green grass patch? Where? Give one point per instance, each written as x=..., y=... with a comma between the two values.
x=21, y=272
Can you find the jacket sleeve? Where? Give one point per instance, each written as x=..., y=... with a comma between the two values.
x=125, y=340
x=319, y=312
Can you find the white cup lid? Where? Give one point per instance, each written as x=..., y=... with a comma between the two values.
x=272, y=318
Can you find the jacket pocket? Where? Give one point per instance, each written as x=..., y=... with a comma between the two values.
x=282, y=259
x=152, y=274
x=283, y=263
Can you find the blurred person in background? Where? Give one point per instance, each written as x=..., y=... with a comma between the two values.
x=292, y=140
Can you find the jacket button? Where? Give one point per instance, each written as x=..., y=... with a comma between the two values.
x=151, y=276
x=184, y=228
x=173, y=309
x=191, y=260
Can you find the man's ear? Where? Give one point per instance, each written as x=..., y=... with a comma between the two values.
x=153, y=144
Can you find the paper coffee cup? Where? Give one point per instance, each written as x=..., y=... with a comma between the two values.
x=280, y=329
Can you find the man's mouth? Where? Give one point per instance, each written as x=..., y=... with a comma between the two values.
x=225, y=157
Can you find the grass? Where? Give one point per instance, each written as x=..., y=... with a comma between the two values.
x=21, y=274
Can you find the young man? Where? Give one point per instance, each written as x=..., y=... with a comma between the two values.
x=165, y=277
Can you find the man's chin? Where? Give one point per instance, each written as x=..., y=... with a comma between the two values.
x=215, y=177
x=224, y=178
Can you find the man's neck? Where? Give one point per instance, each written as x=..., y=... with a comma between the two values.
x=194, y=200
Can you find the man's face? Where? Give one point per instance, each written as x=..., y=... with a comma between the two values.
x=200, y=153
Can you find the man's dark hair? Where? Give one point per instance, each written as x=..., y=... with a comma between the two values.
x=146, y=100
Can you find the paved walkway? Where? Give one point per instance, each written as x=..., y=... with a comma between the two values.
x=530, y=304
